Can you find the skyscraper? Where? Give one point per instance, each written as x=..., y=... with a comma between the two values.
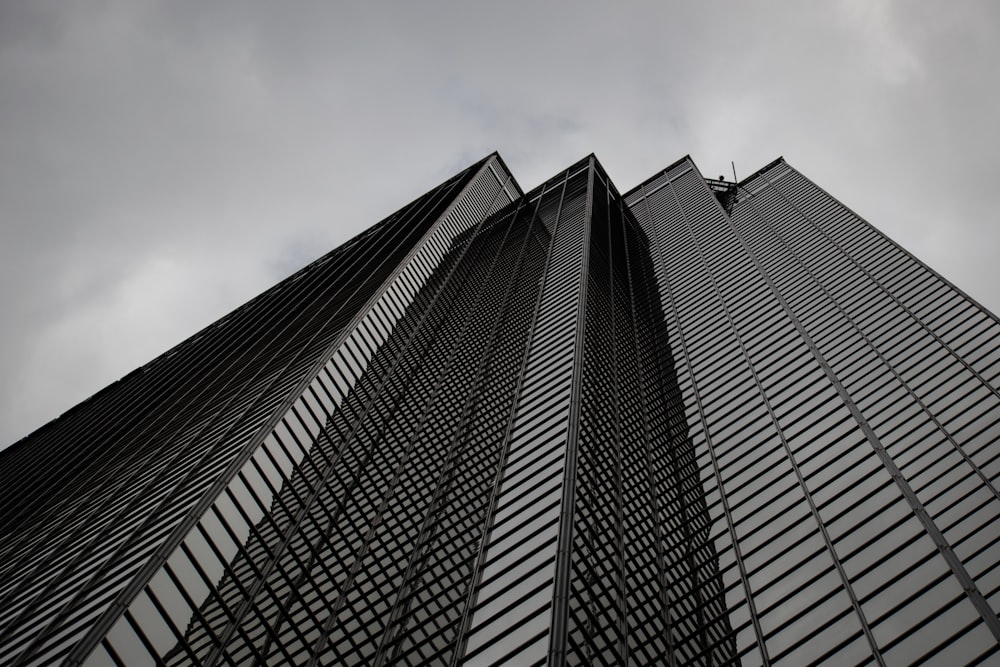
x=842, y=400
x=699, y=423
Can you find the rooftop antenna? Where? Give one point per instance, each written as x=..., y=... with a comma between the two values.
x=736, y=181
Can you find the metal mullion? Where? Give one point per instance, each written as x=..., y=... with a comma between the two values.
x=886, y=349
x=538, y=414
x=484, y=360
x=989, y=546
x=287, y=479
x=550, y=350
x=968, y=513
x=948, y=641
x=738, y=414
x=814, y=510
x=305, y=462
x=255, y=533
x=937, y=612
x=963, y=326
x=325, y=633
x=856, y=364
x=541, y=451
x=234, y=396
x=805, y=557
x=738, y=557
x=937, y=491
x=876, y=393
x=843, y=493
x=527, y=576
x=112, y=653
x=723, y=450
x=559, y=632
x=812, y=604
x=249, y=595
x=140, y=634
x=766, y=498
x=748, y=466
x=869, y=567
x=213, y=592
x=802, y=401
x=812, y=417
x=170, y=624
x=941, y=384
x=820, y=628
x=616, y=429
x=846, y=454
x=952, y=308
x=247, y=558
x=481, y=561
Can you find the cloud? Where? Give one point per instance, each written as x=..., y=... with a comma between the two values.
x=163, y=162
x=878, y=33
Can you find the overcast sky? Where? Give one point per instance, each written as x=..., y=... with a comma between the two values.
x=162, y=162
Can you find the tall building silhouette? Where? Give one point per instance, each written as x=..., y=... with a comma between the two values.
x=699, y=423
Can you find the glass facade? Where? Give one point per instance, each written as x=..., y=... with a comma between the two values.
x=700, y=423
x=95, y=501
x=843, y=403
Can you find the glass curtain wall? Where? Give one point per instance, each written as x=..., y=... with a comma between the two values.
x=843, y=403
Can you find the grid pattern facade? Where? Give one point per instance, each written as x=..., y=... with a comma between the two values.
x=702, y=423
x=843, y=403
x=590, y=542
x=93, y=501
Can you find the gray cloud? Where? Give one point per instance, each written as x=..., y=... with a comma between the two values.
x=165, y=161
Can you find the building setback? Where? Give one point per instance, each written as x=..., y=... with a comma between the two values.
x=700, y=423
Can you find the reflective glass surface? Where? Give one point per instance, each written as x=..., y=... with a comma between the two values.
x=700, y=423
x=829, y=382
